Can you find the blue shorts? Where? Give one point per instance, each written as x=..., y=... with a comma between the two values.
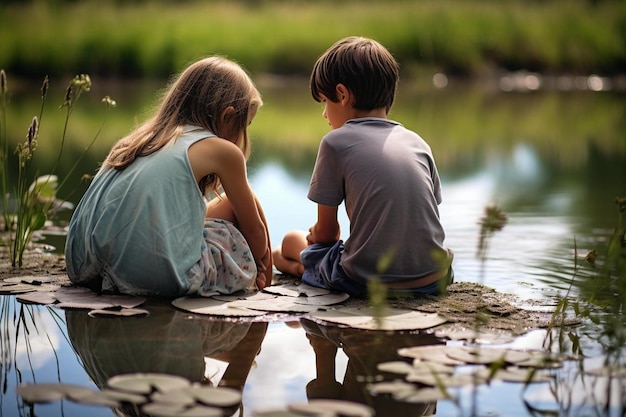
x=322, y=268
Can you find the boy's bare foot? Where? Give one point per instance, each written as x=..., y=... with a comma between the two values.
x=287, y=266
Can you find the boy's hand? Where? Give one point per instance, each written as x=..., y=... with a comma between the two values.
x=326, y=229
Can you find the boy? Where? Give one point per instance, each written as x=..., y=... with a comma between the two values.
x=385, y=173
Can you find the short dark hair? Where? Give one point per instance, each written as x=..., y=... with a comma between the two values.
x=364, y=66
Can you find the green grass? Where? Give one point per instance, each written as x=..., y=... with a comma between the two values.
x=457, y=36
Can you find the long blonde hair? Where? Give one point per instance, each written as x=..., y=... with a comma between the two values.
x=199, y=96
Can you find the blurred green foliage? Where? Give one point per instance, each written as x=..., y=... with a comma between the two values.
x=158, y=38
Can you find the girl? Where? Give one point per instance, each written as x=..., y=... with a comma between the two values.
x=144, y=225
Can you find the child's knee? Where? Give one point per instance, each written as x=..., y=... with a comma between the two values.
x=294, y=240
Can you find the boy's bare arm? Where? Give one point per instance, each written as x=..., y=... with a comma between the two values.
x=327, y=229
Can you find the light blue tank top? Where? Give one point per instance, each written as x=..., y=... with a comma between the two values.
x=140, y=229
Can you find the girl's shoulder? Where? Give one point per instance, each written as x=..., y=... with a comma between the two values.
x=214, y=145
x=214, y=155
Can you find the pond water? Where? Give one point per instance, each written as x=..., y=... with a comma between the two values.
x=553, y=161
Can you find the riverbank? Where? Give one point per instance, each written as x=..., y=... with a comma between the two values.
x=455, y=37
x=466, y=304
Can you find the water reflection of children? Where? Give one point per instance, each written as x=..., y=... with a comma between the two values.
x=365, y=350
x=167, y=341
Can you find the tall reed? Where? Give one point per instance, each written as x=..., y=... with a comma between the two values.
x=28, y=200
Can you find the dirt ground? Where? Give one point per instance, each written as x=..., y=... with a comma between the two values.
x=465, y=305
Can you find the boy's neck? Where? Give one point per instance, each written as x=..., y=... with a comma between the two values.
x=378, y=113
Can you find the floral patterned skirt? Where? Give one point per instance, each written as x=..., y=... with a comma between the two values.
x=226, y=265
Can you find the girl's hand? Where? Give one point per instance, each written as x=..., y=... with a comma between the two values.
x=260, y=281
x=261, y=277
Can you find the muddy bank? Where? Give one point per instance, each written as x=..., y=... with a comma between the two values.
x=467, y=306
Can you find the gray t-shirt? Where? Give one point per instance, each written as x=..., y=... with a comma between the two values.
x=387, y=176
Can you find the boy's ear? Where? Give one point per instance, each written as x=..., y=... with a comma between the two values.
x=343, y=94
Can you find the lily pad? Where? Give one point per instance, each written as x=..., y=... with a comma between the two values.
x=418, y=367
x=422, y=395
x=542, y=360
x=166, y=410
x=332, y=408
x=145, y=383
x=216, y=396
x=31, y=279
x=477, y=337
x=276, y=413
x=446, y=380
x=391, y=319
x=429, y=367
x=390, y=387
x=407, y=392
x=276, y=305
x=514, y=374
x=109, y=398
x=395, y=367
x=201, y=305
x=90, y=300
x=37, y=297
x=431, y=353
x=474, y=355
x=48, y=392
x=207, y=395
x=73, y=290
x=21, y=287
x=124, y=312
x=244, y=295
x=175, y=397
x=323, y=300
x=296, y=290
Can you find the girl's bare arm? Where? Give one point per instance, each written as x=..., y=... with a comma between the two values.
x=225, y=159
